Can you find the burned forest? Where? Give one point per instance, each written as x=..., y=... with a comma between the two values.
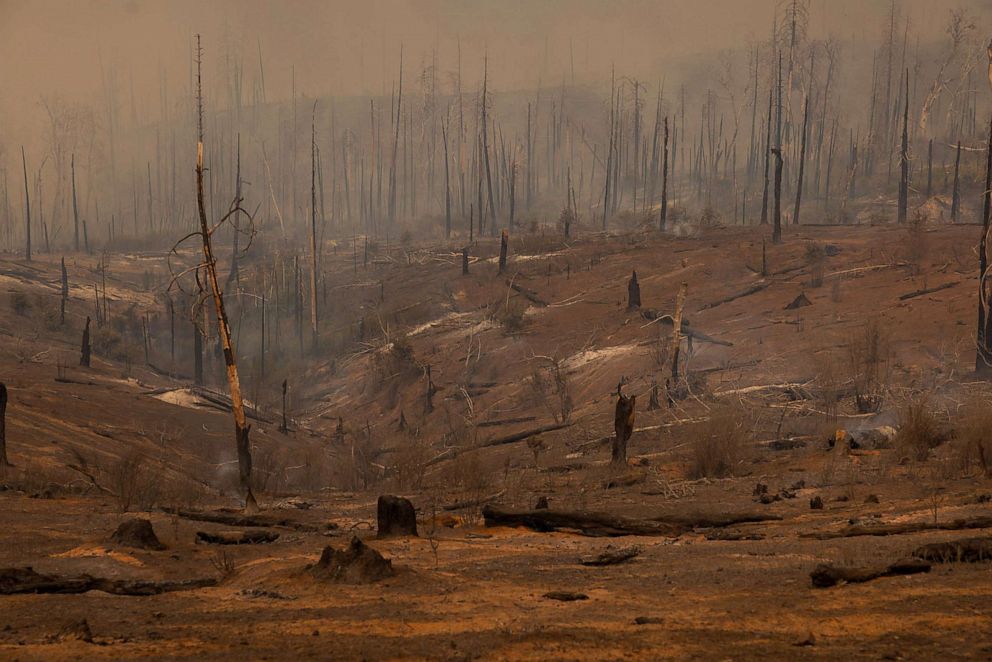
x=441, y=329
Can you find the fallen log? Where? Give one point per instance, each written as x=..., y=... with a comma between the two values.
x=498, y=441
x=968, y=550
x=236, y=537
x=26, y=580
x=754, y=289
x=506, y=421
x=899, y=529
x=527, y=294
x=471, y=503
x=612, y=556
x=237, y=519
x=585, y=523
x=796, y=391
x=565, y=596
x=826, y=575
x=68, y=380
x=928, y=290
x=706, y=521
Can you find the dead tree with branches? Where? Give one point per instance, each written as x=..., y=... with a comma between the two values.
x=208, y=269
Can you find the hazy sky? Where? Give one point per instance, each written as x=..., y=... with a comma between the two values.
x=344, y=46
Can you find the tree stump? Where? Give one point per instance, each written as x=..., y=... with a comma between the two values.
x=355, y=564
x=633, y=292
x=137, y=533
x=623, y=425
x=395, y=517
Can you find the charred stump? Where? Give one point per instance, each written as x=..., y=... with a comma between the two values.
x=395, y=516
x=355, y=564
x=137, y=533
x=623, y=425
x=84, y=354
x=633, y=292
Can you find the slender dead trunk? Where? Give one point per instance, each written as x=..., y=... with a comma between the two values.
x=929, y=168
x=956, y=189
x=677, y=333
x=777, y=213
x=241, y=427
x=768, y=146
x=3, y=426
x=75, y=208
x=64, y=294
x=664, y=180
x=503, y=245
x=447, y=184
x=904, y=159
x=313, y=230
x=84, y=351
x=27, y=209
x=802, y=164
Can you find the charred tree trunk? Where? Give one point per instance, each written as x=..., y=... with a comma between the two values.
x=64, y=293
x=768, y=146
x=777, y=214
x=313, y=226
x=929, y=168
x=802, y=165
x=664, y=181
x=84, y=351
x=27, y=209
x=956, y=189
x=503, y=241
x=284, y=426
x=465, y=261
x=197, y=355
x=447, y=184
x=3, y=426
x=904, y=159
x=75, y=208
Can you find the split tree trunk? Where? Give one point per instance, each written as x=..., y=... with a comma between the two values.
x=241, y=427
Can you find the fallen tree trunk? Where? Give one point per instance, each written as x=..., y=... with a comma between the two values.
x=705, y=521
x=237, y=519
x=826, y=575
x=499, y=441
x=527, y=294
x=754, y=289
x=236, y=538
x=26, y=580
x=471, y=503
x=928, y=290
x=585, y=523
x=899, y=529
x=611, y=556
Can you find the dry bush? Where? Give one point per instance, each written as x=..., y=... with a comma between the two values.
x=719, y=444
x=973, y=438
x=919, y=429
x=510, y=315
x=133, y=481
x=550, y=386
x=110, y=343
x=410, y=462
x=868, y=360
x=395, y=359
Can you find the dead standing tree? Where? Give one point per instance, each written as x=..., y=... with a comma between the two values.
x=209, y=268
